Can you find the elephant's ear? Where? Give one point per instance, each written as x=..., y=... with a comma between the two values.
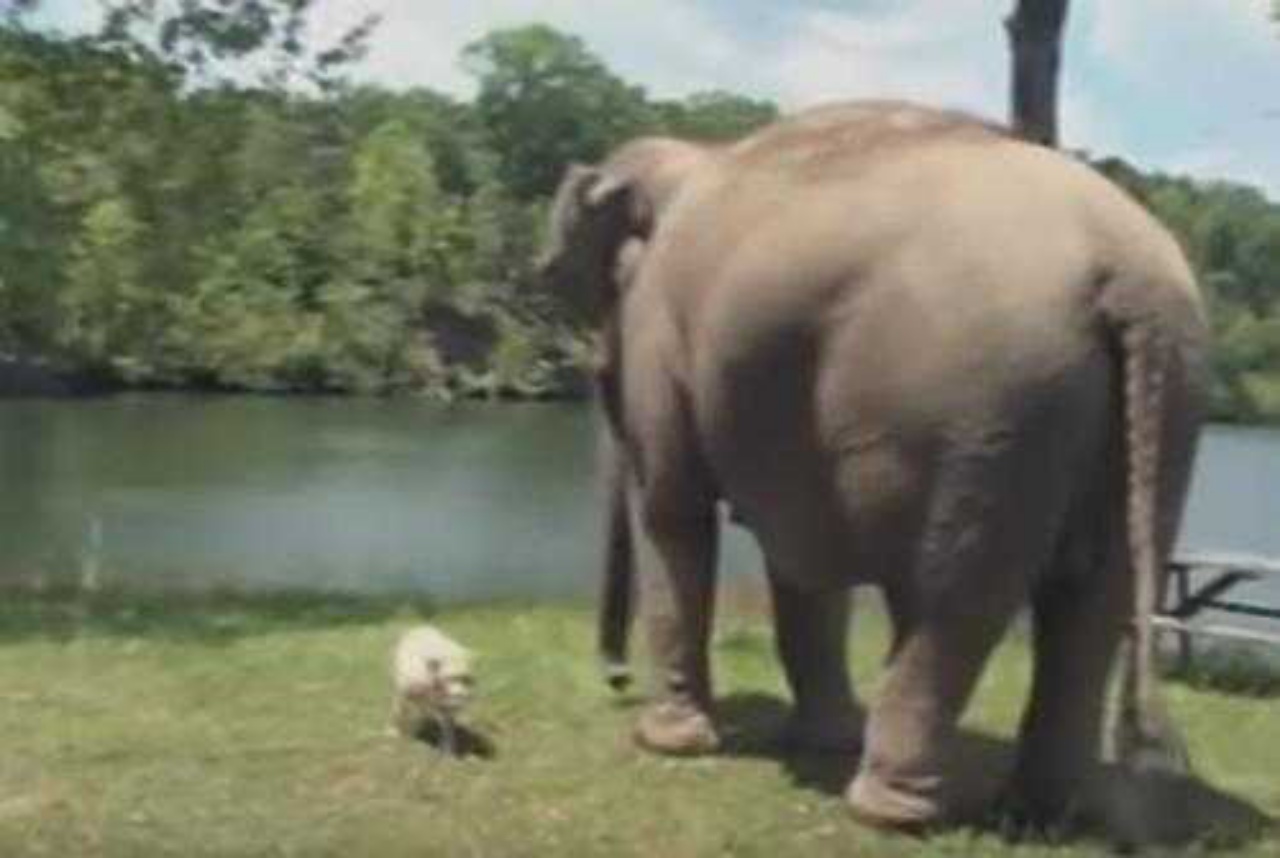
x=578, y=180
x=594, y=212
x=605, y=190
x=571, y=194
x=617, y=199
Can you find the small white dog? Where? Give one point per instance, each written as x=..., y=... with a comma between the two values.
x=432, y=677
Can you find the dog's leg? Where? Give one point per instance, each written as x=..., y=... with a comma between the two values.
x=448, y=736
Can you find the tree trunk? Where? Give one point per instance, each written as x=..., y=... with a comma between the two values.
x=1035, y=38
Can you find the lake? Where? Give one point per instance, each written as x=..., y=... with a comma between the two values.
x=456, y=502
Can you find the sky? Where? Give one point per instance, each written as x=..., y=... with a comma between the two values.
x=1184, y=86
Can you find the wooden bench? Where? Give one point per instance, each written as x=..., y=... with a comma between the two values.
x=1182, y=602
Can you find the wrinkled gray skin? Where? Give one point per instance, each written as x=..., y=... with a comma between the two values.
x=902, y=349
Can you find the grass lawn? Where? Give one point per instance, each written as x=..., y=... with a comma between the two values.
x=234, y=728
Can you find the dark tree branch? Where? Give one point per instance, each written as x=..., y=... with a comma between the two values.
x=1035, y=39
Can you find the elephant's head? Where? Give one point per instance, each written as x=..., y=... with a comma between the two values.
x=594, y=215
x=602, y=217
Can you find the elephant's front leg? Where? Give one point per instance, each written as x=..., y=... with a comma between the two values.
x=676, y=533
x=812, y=631
x=678, y=545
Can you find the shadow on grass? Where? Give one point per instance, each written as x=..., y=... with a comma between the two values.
x=1152, y=810
x=208, y=617
x=469, y=743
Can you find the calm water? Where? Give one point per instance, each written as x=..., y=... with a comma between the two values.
x=464, y=502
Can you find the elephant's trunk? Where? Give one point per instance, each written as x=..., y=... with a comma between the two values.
x=618, y=591
x=1144, y=738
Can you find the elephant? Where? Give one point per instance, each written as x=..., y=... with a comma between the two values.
x=902, y=348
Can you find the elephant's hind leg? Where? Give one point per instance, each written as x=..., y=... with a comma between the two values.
x=984, y=532
x=908, y=777
x=1080, y=610
x=1083, y=609
x=812, y=631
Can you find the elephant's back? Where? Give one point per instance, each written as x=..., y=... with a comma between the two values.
x=957, y=249
x=845, y=337
x=848, y=322
x=840, y=141
x=946, y=231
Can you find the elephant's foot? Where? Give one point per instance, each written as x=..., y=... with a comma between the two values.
x=1050, y=796
x=825, y=733
x=879, y=804
x=677, y=729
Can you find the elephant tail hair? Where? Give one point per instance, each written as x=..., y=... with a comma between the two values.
x=1144, y=739
x=618, y=588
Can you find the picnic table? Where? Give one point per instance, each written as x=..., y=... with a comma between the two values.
x=1201, y=581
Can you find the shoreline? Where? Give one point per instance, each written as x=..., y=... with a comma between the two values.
x=26, y=381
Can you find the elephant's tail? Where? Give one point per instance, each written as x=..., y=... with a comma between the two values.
x=1144, y=738
x=618, y=590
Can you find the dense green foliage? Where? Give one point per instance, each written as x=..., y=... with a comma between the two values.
x=192, y=199
x=195, y=197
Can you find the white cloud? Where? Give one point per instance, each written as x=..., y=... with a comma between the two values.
x=1179, y=84
x=914, y=53
x=1182, y=65
x=1195, y=79
x=944, y=51
x=1148, y=38
x=670, y=46
x=1084, y=124
x=69, y=15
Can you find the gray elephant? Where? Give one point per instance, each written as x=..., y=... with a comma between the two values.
x=904, y=349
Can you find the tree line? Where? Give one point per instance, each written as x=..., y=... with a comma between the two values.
x=196, y=197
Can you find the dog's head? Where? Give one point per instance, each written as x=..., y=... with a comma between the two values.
x=450, y=681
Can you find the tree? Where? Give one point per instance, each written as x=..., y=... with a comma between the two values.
x=504, y=236
x=105, y=301
x=161, y=229
x=227, y=41
x=365, y=343
x=713, y=116
x=400, y=220
x=404, y=249
x=449, y=129
x=31, y=248
x=545, y=102
x=246, y=316
x=78, y=125
x=1035, y=39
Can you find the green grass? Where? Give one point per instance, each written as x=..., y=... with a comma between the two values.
x=234, y=727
